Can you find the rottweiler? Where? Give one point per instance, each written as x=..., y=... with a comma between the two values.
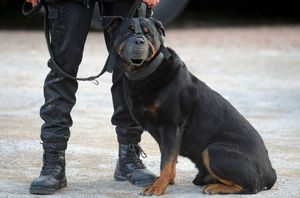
x=185, y=116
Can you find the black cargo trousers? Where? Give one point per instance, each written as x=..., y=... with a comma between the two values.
x=69, y=25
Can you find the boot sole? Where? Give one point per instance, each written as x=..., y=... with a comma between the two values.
x=144, y=183
x=47, y=191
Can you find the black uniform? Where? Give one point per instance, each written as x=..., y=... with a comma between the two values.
x=69, y=25
x=69, y=22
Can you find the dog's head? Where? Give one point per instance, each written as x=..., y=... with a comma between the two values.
x=135, y=40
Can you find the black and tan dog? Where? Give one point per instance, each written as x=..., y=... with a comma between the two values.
x=186, y=117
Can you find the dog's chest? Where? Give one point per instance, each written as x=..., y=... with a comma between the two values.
x=145, y=112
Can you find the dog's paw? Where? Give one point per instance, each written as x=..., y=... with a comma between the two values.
x=217, y=188
x=209, y=189
x=153, y=190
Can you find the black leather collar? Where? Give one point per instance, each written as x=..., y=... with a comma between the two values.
x=148, y=70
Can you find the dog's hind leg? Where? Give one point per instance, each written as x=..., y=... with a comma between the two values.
x=200, y=180
x=233, y=172
x=203, y=178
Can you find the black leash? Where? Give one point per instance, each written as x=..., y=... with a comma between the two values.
x=53, y=62
x=30, y=11
x=137, y=6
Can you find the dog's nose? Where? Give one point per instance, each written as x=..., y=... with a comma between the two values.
x=139, y=41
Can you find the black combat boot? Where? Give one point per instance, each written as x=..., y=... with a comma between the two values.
x=53, y=176
x=131, y=168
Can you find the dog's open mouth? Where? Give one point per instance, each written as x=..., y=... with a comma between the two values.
x=136, y=67
x=136, y=62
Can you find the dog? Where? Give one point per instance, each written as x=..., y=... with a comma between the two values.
x=185, y=116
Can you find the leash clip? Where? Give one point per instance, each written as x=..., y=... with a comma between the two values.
x=95, y=81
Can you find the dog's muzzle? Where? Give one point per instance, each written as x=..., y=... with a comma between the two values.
x=136, y=50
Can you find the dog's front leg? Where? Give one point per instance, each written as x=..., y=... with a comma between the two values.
x=169, y=146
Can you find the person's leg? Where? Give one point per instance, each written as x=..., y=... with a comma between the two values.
x=69, y=25
x=129, y=166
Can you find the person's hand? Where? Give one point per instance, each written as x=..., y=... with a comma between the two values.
x=33, y=2
x=151, y=3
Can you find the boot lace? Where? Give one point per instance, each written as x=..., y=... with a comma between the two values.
x=133, y=156
x=50, y=161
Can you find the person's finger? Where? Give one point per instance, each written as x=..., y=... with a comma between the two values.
x=30, y=1
x=35, y=2
x=151, y=3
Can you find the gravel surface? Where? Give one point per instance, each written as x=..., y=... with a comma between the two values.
x=256, y=68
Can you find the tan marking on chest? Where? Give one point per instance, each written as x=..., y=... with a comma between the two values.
x=153, y=108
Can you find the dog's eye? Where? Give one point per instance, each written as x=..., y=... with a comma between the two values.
x=149, y=35
x=147, y=32
x=127, y=33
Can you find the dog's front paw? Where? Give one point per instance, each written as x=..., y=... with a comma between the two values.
x=158, y=188
x=153, y=190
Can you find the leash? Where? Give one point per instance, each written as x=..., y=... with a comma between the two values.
x=54, y=63
x=30, y=11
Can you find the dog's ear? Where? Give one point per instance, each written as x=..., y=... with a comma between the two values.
x=159, y=26
x=110, y=24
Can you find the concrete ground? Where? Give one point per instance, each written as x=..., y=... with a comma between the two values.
x=256, y=68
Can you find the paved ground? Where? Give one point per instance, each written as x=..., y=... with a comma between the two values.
x=256, y=68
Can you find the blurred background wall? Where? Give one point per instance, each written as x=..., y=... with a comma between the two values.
x=191, y=13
